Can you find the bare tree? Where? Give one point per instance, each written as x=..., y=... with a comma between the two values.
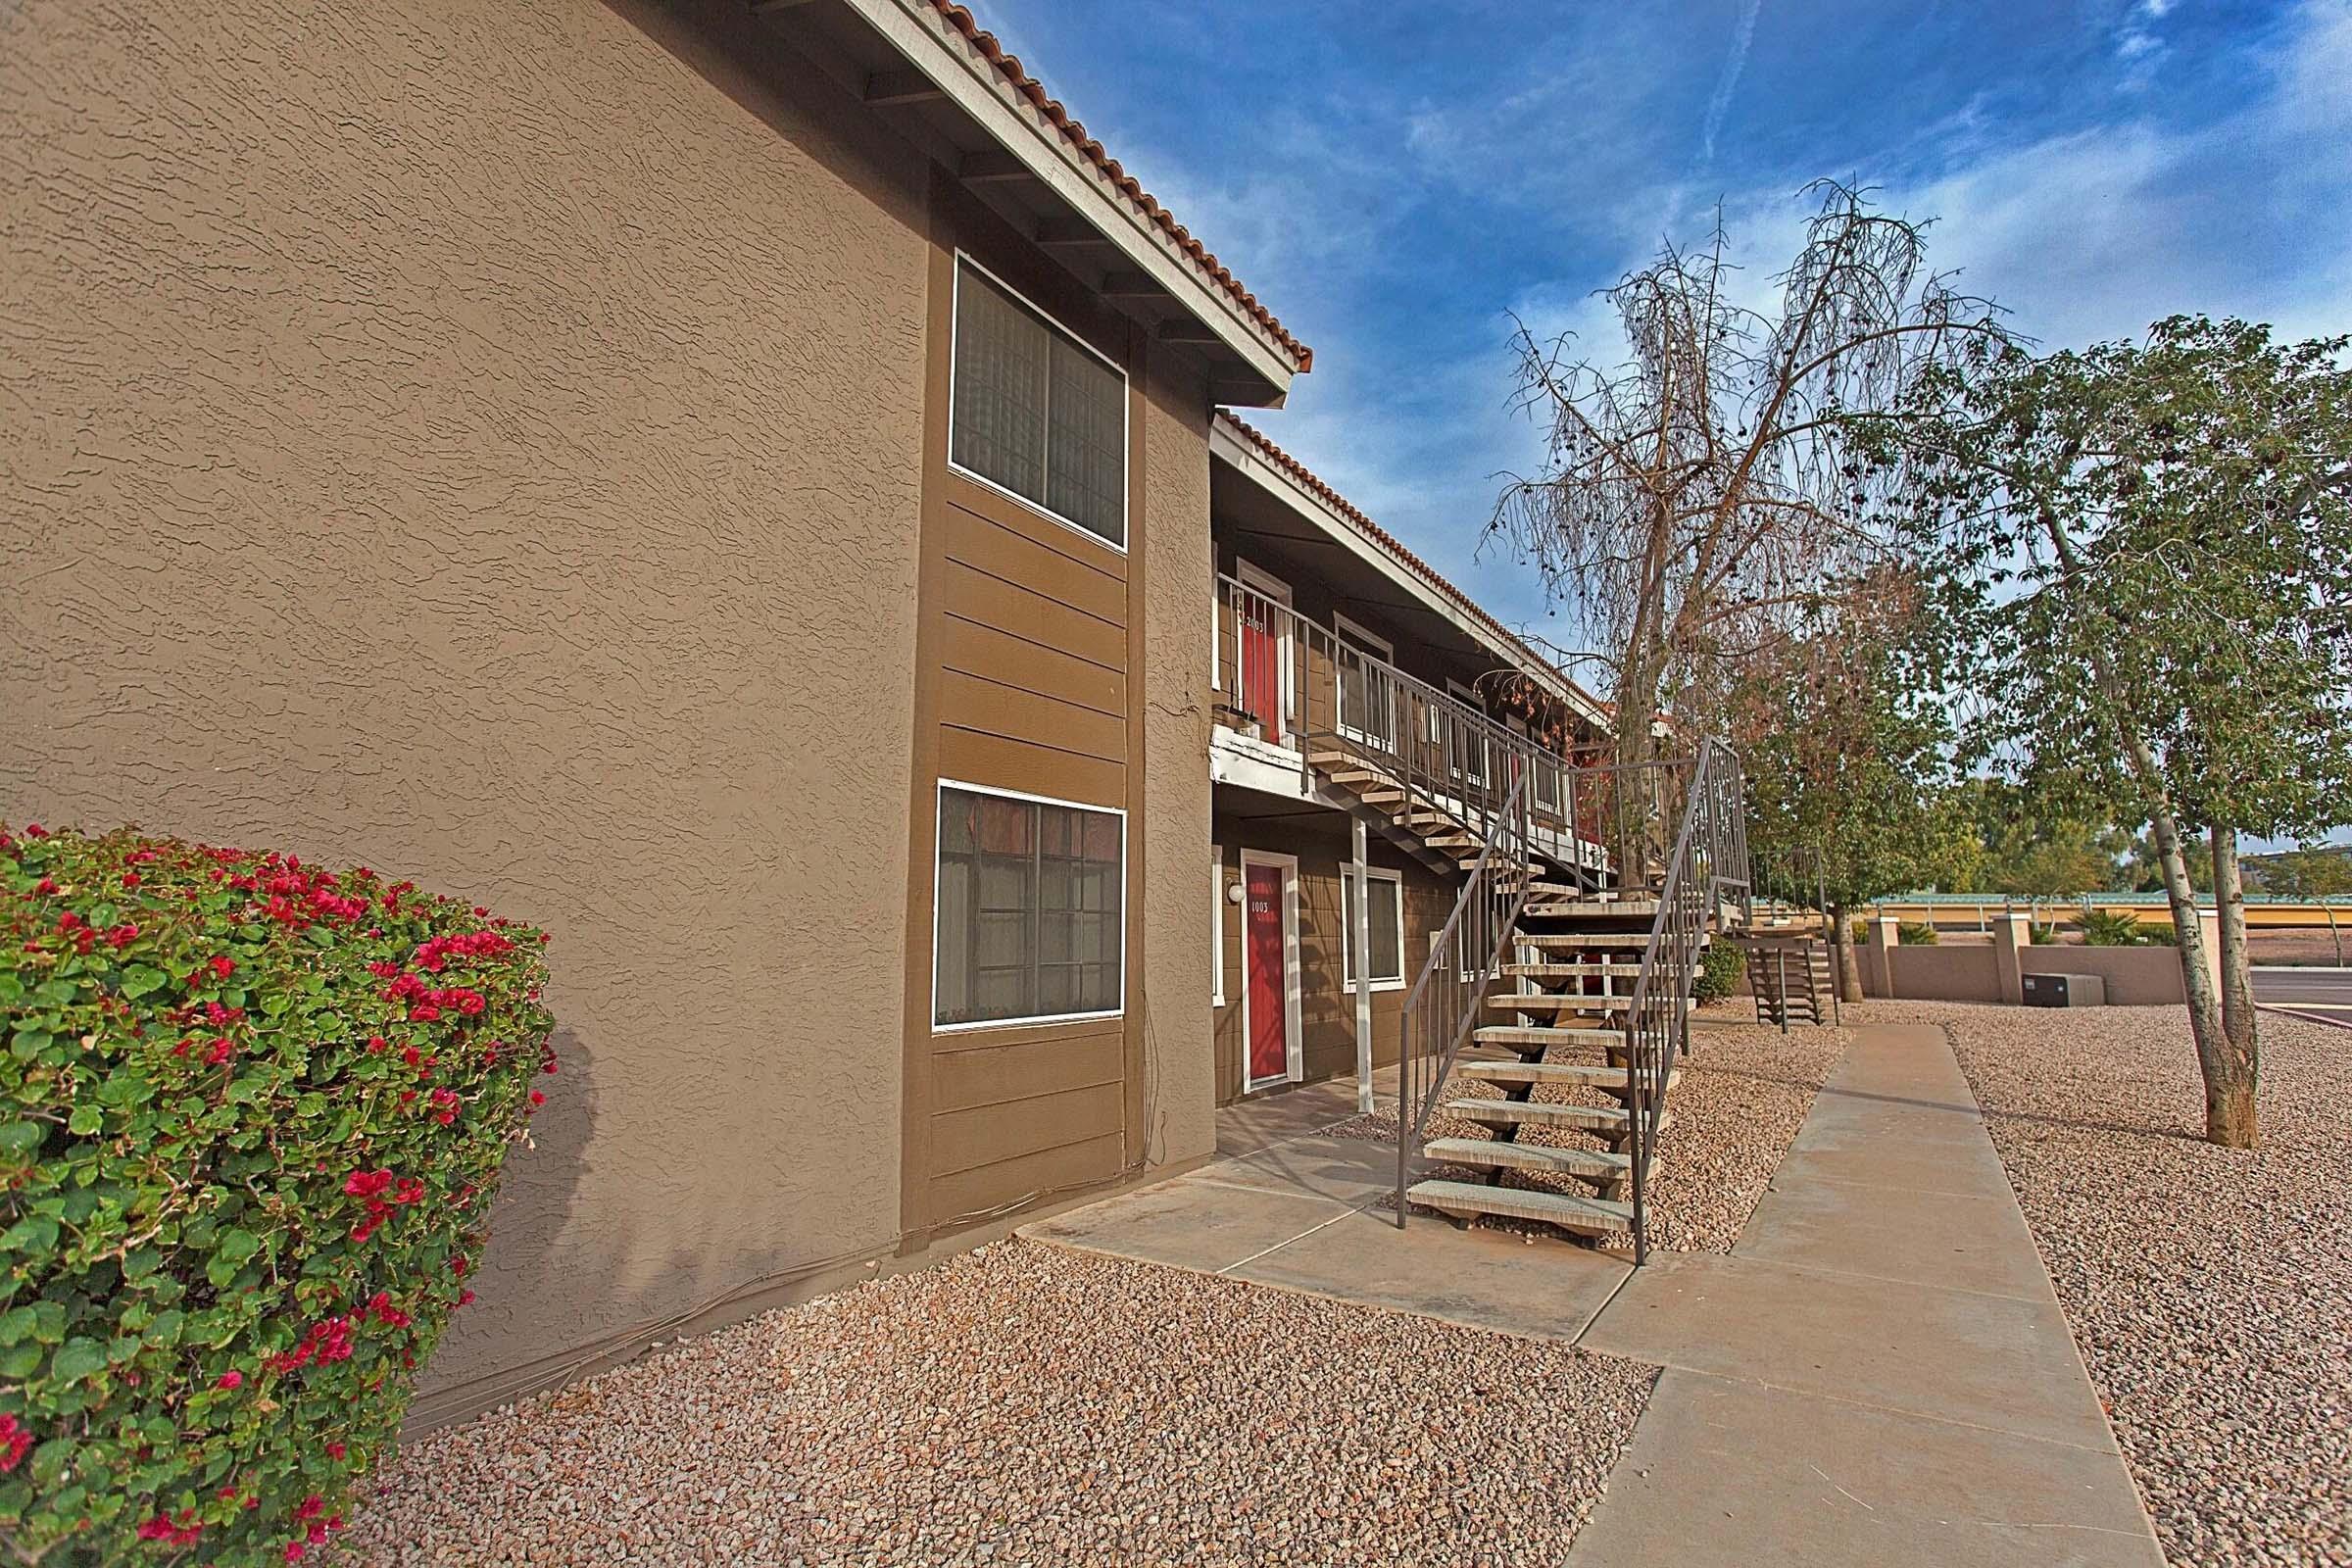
x=1696, y=497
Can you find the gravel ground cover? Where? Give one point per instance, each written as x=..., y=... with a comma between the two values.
x=1745, y=1091
x=2210, y=1290
x=1025, y=1404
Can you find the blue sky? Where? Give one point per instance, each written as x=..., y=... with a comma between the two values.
x=1396, y=180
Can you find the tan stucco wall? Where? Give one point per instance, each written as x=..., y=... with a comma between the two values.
x=479, y=438
x=1180, y=1073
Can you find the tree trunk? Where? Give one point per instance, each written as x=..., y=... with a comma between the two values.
x=1841, y=949
x=2188, y=933
x=2229, y=1116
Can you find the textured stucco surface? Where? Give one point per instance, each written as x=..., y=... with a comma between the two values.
x=1180, y=1060
x=479, y=438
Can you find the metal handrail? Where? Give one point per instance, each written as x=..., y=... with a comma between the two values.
x=1316, y=686
x=1444, y=1004
x=1709, y=859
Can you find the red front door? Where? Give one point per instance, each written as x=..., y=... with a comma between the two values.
x=1269, y=1005
x=1262, y=671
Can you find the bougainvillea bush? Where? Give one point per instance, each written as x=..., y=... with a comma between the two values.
x=251, y=1117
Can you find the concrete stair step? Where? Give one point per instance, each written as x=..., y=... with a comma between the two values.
x=1557, y=1002
x=1591, y=1164
x=1627, y=973
x=1540, y=1113
x=1628, y=911
x=1550, y=1072
x=1586, y=1216
x=1580, y=941
x=1500, y=1034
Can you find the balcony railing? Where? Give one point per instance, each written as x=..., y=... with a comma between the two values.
x=1307, y=689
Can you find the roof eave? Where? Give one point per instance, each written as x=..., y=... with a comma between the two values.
x=921, y=34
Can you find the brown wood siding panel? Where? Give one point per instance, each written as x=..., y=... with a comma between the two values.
x=1032, y=640
x=987, y=1135
x=994, y=1074
x=1007, y=764
x=1001, y=656
x=972, y=1194
x=1030, y=543
x=1008, y=607
x=969, y=703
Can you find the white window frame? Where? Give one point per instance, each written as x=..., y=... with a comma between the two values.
x=966, y=259
x=1395, y=881
x=1548, y=766
x=1368, y=641
x=1216, y=940
x=1295, y=1066
x=1468, y=698
x=1126, y=891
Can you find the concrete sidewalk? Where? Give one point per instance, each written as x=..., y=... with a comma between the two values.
x=1879, y=1372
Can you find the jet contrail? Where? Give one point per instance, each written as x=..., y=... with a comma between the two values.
x=1720, y=104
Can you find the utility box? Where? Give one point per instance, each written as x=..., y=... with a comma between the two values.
x=2064, y=990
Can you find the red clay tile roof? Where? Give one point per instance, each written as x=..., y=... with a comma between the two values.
x=1394, y=546
x=1028, y=86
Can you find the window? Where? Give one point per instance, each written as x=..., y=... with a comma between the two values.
x=1031, y=897
x=1216, y=924
x=1036, y=412
x=1388, y=927
x=1367, y=696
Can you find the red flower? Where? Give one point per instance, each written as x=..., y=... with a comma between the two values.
x=538, y=1097
x=122, y=935
x=130, y=879
x=14, y=1440
x=294, y=1550
x=310, y=1508
x=230, y=1380
x=377, y=1044
x=334, y=1450
x=445, y=1107
x=464, y=1298
x=222, y=967
x=366, y=1182
x=221, y=1050
x=424, y=1012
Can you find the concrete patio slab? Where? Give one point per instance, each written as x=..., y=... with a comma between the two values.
x=1191, y=1223
x=1351, y=1170
x=1487, y=1279
x=1826, y=1481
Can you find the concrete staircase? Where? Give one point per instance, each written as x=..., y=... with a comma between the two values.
x=1556, y=1149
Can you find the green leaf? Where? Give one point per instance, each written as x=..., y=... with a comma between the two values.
x=35, y=1235
x=20, y=1360
x=21, y=1137
x=75, y=1359
x=86, y=1120
x=16, y=1325
x=142, y=979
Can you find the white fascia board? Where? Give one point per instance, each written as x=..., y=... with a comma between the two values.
x=951, y=64
x=1244, y=456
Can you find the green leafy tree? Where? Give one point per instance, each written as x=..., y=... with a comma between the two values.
x=1848, y=774
x=2142, y=556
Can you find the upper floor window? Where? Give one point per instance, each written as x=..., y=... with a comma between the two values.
x=1035, y=412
